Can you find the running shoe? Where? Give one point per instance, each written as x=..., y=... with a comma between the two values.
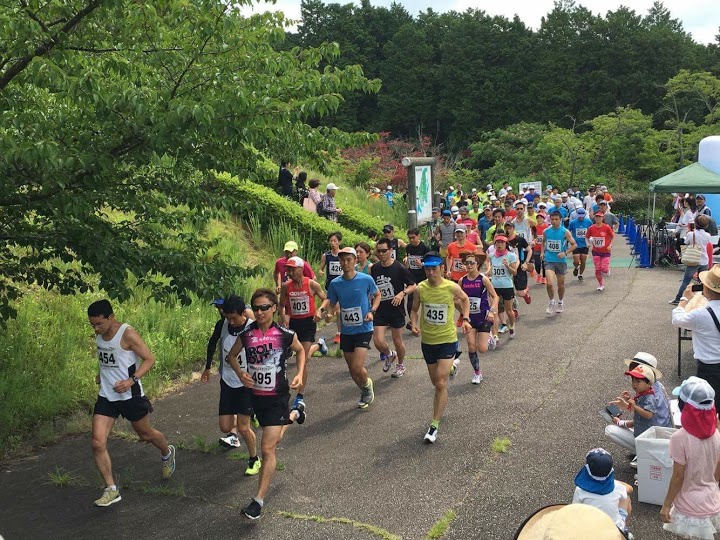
x=399, y=371
x=300, y=408
x=431, y=435
x=575, y=271
x=388, y=360
x=527, y=297
x=538, y=279
x=323, y=346
x=168, y=464
x=674, y=302
x=580, y=277
x=453, y=370
x=551, y=307
x=503, y=328
x=601, y=288
x=252, y=470
x=252, y=510
x=544, y=281
x=254, y=422
x=492, y=342
x=560, y=306
x=230, y=441
x=336, y=340
x=109, y=496
x=477, y=378
x=633, y=463
x=367, y=396
x=512, y=332
x=516, y=313
x=298, y=401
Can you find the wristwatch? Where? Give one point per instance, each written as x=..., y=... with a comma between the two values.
x=466, y=319
x=373, y=311
x=135, y=379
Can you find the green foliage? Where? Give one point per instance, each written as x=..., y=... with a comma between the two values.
x=62, y=478
x=441, y=526
x=117, y=107
x=500, y=445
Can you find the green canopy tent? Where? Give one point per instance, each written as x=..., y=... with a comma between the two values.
x=691, y=179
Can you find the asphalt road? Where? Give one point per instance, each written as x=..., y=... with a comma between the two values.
x=350, y=474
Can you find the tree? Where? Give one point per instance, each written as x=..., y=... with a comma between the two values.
x=110, y=112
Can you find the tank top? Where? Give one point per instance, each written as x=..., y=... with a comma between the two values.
x=332, y=267
x=395, y=247
x=447, y=233
x=436, y=313
x=267, y=355
x=479, y=302
x=365, y=269
x=228, y=335
x=300, y=301
x=522, y=229
x=555, y=243
x=116, y=364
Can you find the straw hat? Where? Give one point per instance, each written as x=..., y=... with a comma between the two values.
x=711, y=278
x=646, y=359
x=569, y=522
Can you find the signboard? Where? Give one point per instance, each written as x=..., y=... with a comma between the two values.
x=536, y=185
x=423, y=193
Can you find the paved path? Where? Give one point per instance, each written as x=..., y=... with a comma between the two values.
x=366, y=474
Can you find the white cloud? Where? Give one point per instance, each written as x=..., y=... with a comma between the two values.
x=699, y=17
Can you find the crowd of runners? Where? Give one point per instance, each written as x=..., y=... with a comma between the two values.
x=461, y=275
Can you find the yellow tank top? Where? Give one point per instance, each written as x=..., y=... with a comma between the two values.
x=437, y=312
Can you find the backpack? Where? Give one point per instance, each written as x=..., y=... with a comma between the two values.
x=320, y=207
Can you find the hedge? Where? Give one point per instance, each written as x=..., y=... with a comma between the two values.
x=360, y=221
x=244, y=198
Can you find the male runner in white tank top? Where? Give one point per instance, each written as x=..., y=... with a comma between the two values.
x=119, y=347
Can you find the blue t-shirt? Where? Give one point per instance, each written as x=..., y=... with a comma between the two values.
x=354, y=298
x=563, y=211
x=555, y=242
x=389, y=198
x=530, y=197
x=483, y=225
x=578, y=228
x=501, y=277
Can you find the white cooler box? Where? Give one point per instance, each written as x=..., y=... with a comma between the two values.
x=654, y=466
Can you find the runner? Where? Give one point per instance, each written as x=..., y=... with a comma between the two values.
x=600, y=236
x=119, y=347
x=578, y=228
x=504, y=265
x=352, y=291
x=279, y=274
x=537, y=244
x=330, y=268
x=445, y=232
x=395, y=244
x=415, y=250
x=557, y=243
x=438, y=297
x=498, y=226
x=363, y=264
x=235, y=409
x=297, y=304
x=521, y=247
x=483, y=309
x=395, y=283
x=267, y=347
x=454, y=264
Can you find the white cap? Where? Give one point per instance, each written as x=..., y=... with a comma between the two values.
x=454, y=209
x=474, y=190
x=489, y=186
x=389, y=187
x=376, y=190
x=564, y=194
x=451, y=188
x=331, y=186
x=509, y=188
x=542, y=205
x=696, y=392
x=493, y=198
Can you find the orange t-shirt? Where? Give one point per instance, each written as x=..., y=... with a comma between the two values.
x=457, y=268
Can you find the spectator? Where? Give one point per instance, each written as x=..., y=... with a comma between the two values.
x=706, y=223
x=327, y=207
x=311, y=201
x=389, y=195
x=699, y=238
x=300, y=189
x=705, y=326
x=701, y=206
x=285, y=178
x=662, y=402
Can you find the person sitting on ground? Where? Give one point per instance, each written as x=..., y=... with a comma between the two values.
x=642, y=405
x=692, y=505
x=596, y=485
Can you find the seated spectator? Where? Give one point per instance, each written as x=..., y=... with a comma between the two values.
x=662, y=401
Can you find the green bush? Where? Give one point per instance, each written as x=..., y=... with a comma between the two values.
x=635, y=204
x=245, y=199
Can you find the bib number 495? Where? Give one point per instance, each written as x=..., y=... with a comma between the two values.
x=262, y=379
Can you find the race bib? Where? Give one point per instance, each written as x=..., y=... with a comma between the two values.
x=458, y=266
x=300, y=305
x=521, y=234
x=263, y=376
x=334, y=268
x=475, y=304
x=499, y=271
x=598, y=241
x=387, y=291
x=436, y=313
x=394, y=254
x=415, y=262
x=553, y=245
x=580, y=233
x=351, y=316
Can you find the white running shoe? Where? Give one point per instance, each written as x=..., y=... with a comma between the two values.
x=560, y=307
x=477, y=378
x=230, y=441
x=551, y=307
x=601, y=288
x=431, y=435
x=492, y=342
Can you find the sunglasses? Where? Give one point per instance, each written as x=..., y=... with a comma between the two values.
x=470, y=263
x=262, y=307
x=383, y=250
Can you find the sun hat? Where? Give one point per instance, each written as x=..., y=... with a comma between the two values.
x=290, y=245
x=697, y=392
x=331, y=186
x=646, y=359
x=642, y=372
x=432, y=258
x=347, y=251
x=569, y=522
x=597, y=476
x=711, y=278
x=500, y=238
x=294, y=262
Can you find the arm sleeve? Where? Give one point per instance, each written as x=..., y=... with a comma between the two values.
x=212, y=343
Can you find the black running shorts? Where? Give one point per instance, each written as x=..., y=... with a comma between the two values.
x=133, y=409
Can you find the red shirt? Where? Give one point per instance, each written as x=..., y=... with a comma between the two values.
x=280, y=269
x=539, y=229
x=300, y=301
x=456, y=267
x=600, y=238
x=510, y=214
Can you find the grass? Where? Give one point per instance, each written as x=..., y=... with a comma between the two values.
x=170, y=491
x=201, y=445
x=441, y=526
x=238, y=456
x=62, y=478
x=500, y=445
x=371, y=529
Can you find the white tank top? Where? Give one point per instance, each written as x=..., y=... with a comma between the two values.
x=227, y=340
x=523, y=230
x=116, y=364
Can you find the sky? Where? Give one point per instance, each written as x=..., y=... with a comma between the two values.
x=701, y=18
